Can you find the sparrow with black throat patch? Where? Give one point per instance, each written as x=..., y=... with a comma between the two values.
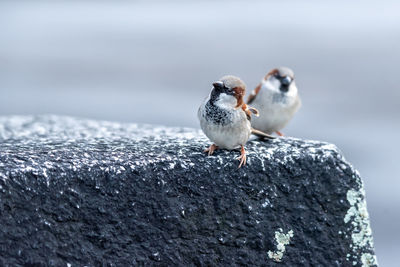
x=225, y=118
x=277, y=100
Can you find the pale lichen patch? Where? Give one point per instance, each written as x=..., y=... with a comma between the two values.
x=368, y=260
x=361, y=234
x=282, y=240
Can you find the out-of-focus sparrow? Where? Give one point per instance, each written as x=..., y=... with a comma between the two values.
x=277, y=100
x=225, y=118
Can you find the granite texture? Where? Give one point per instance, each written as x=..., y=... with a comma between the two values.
x=77, y=192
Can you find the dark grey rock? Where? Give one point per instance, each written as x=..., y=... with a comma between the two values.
x=81, y=192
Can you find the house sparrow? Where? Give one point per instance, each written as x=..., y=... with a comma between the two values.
x=225, y=118
x=277, y=100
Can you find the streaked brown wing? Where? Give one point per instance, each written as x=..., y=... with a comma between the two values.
x=253, y=94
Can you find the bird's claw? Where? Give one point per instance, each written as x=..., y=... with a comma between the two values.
x=211, y=149
x=242, y=157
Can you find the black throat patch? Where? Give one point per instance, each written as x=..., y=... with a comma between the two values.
x=215, y=114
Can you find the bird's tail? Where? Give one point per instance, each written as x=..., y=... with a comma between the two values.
x=261, y=134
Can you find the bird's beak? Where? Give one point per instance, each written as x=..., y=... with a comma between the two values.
x=218, y=85
x=286, y=81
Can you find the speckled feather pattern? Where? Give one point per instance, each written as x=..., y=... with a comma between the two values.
x=215, y=115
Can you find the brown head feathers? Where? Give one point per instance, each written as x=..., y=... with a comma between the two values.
x=281, y=72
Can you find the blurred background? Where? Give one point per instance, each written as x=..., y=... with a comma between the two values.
x=154, y=61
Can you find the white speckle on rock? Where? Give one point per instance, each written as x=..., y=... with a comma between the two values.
x=343, y=166
x=282, y=240
x=3, y=176
x=266, y=203
x=172, y=165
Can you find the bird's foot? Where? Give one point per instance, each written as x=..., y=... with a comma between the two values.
x=279, y=133
x=211, y=149
x=242, y=157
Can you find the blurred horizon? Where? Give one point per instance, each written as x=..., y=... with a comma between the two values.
x=154, y=62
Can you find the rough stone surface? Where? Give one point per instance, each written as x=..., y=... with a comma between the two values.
x=77, y=192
